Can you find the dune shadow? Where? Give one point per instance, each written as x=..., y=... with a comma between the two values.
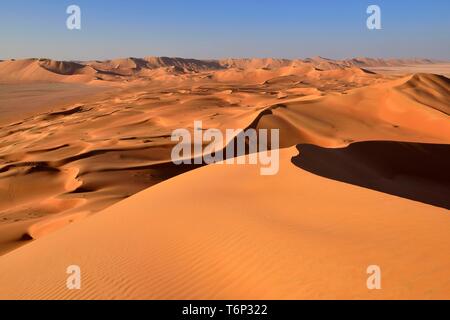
x=413, y=171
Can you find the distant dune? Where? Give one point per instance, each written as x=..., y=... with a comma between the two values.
x=45, y=71
x=127, y=69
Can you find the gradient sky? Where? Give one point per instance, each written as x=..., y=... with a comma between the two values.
x=224, y=28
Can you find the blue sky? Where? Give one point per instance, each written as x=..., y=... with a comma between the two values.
x=224, y=28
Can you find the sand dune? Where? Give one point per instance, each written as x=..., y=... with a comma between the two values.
x=371, y=62
x=45, y=71
x=407, y=109
x=233, y=234
x=414, y=171
x=66, y=68
x=304, y=73
x=256, y=63
x=436, y=68
x=430, y=90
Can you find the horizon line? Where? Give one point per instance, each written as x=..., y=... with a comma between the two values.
x=227, y=58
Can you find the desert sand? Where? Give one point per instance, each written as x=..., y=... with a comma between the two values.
x=90, y=182
x=233, y=234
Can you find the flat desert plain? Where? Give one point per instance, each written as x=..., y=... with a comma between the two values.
x=87, y=179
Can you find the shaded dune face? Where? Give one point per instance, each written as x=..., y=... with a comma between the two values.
x=415, y=171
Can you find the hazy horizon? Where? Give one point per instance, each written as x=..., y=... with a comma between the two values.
x=223, y=29
x=224, y=58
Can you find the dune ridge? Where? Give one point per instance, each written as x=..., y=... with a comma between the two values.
x=407, y=109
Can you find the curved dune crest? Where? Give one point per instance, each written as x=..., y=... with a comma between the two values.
x=430, y=90
x=409, y=109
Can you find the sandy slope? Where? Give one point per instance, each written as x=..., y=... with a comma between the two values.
x=233, y=234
